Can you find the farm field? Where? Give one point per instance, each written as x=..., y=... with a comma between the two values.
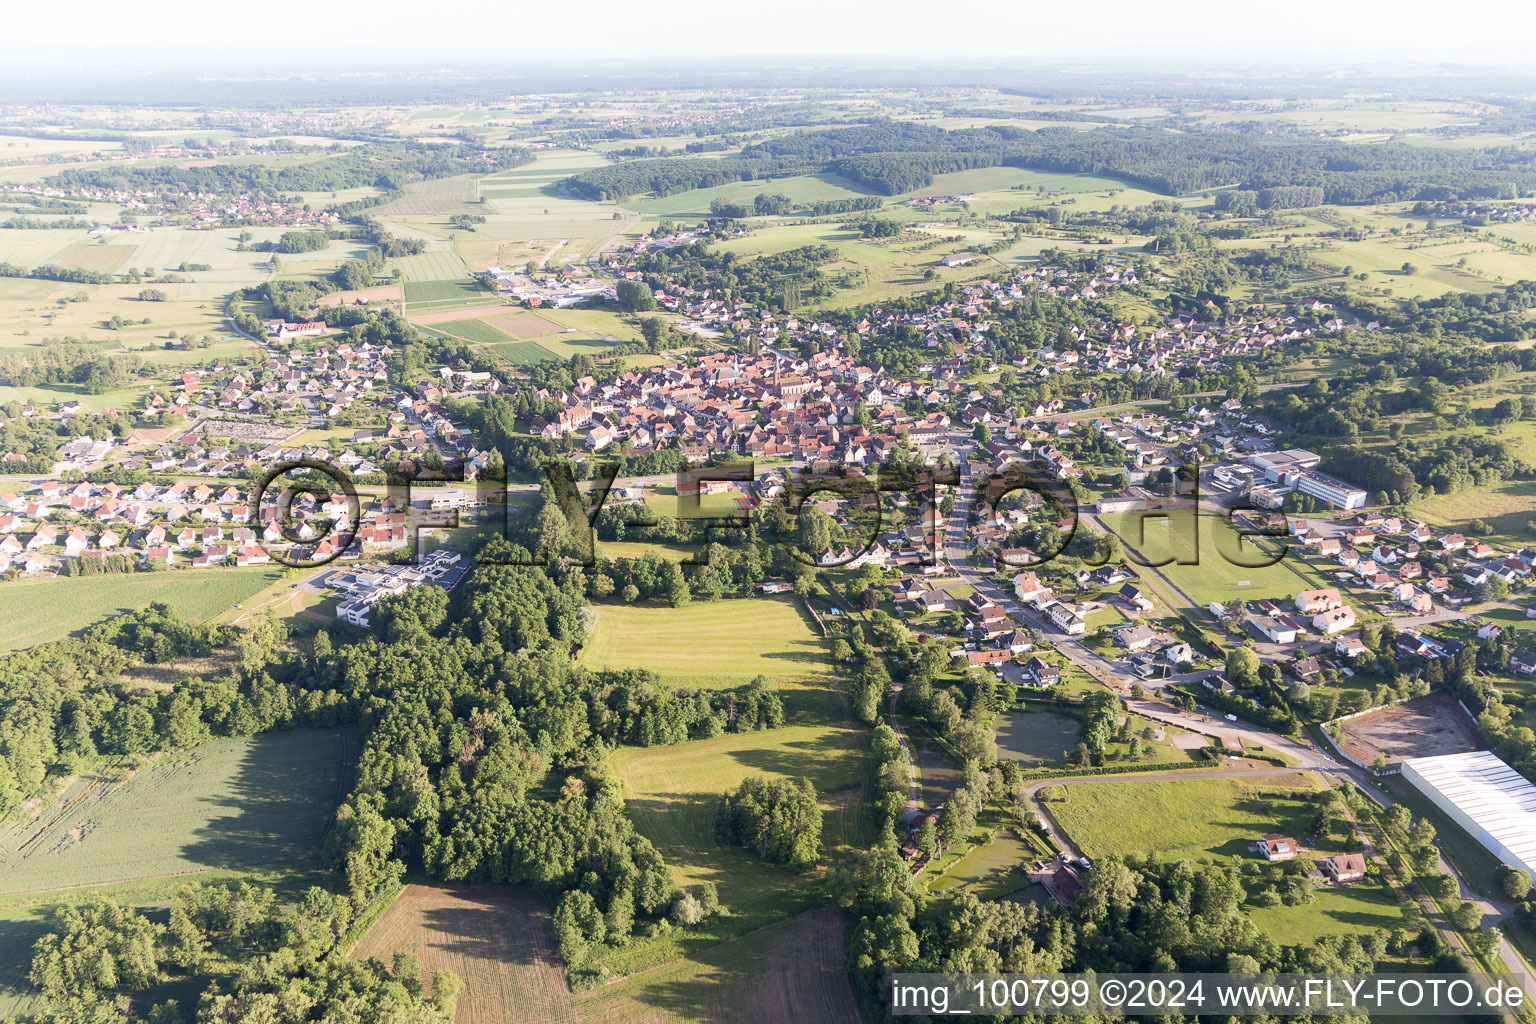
x=1031, y=737
x=790, y=971
x=803, y=188
x=1183, y=818
x=870, y=270
x=673, y=792
x=498, y=940
x=527, y=215
x=227, y=804
x=36, y=611
x=1213, y=577
x=719, y=644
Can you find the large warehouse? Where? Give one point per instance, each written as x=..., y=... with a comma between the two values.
x=1485, y=796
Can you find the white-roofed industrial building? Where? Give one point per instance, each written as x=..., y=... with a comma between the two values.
x=1485, y=796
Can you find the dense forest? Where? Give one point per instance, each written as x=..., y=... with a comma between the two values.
x=891, y=157
x=385, y=167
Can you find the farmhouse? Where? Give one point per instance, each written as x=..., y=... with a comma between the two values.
x=958, y=259
x=1277, y=848
x=1343, y=868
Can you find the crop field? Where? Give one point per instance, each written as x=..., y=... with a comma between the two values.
x=1213, y=577
x=434, y=197
x=1031, y=737
x=673, y=792
x=1423, y=727
x=719, y=644
x=528, y=325
x=447, y=292
x=474, y=330
x=36, y=611
x=491, y=307
x=1183, y=818
x=498, y=940
x=225, y=804
x=522, y=353
x=381, y=293
x=435, y=265
x=790, y=971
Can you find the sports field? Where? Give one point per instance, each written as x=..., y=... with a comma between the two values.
x=1213, y=576
x=719, y=644
x=36, y=611
x=1183, y=818
x=225, y=804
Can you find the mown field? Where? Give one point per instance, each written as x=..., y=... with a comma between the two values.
x=1183, y=818
x=36, y=611
x=1213, y=576
x=1508, y=507
x=228, y=804
x=722, y=643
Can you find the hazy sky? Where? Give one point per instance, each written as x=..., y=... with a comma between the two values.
x=1193, y=33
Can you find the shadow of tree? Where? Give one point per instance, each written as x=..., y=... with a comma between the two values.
x=281, y=803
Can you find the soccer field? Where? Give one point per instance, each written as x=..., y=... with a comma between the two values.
x=1212, y=575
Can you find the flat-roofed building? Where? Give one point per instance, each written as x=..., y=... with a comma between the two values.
x=1480, y=792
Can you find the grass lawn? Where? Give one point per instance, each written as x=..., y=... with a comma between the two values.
x=1212, y=576
x=1339, y=910
x=792, y=970
x=1506, y=506
x=36, y=611
x=720, y=644
x=1175, y=819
